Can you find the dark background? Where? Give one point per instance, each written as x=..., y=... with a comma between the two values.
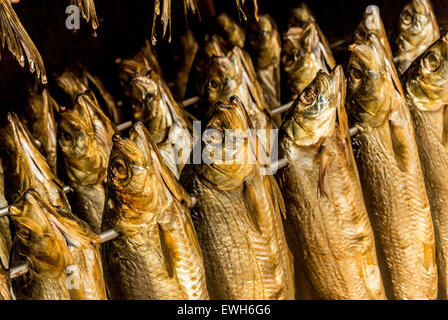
x=125, y=24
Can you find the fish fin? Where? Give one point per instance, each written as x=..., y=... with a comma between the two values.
x=445, y=126
x=323, y=165
x=19, y=42
x=166, y=243
x=399, y=144
x=277, y=196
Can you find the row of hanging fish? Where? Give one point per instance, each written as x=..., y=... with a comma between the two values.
x=358, y=212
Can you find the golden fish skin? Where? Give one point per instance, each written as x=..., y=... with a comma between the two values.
x=77, y=80
x=62, y=255
x=5, y=284
x=305, y=51
x=85, y=139
x=25, y=167
x=418, y=30
x=234, y=75
x=154, y=105
x=39, y=118
x=157, y=255
x=237, y=217
x=425, y=85
x=232, y=33
x=323, y=195
x=264, y=45
x=5, y=231
x=391, y=175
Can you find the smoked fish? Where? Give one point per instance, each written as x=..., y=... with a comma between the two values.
x=62, y=255
x=426, y=89
x=157, y=255
x=323, y=195
x=238, y=213
x=391, y=176
x=418, y=29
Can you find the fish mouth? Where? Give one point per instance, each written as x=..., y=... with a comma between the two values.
x=230, y=116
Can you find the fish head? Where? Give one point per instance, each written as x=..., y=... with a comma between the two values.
x=312, y=117
x=24, y=166
x=229, y=145
x=230, y=30
x=370, y=85
x=85, y=140
x=264, y=41
x=300, y=16
x=417, y=23
x=131, y=174
x=301, y=57
x=149, y=105
x=223, y=78
x=426, y=80
x=372, y=23
x=41, y=242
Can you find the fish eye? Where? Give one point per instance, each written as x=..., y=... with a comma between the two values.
x=66, y=136
x=288, y=59
x=360, y=35
x=24, y=234
x=119, y=169
x=137, y=107
x=355, y=75
x=431, y=62
x=213, y=84
x=308, y=96
x=406, y=17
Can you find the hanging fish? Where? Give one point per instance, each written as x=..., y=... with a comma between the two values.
x=418, y=30
x=62, y=255
x=264, y=46
x=238, y=212
x=25, y=167
x=323, y=196
x=39, y=119
x=391, y=175
x=85, y=138
x=157, y=255
x=426, y=89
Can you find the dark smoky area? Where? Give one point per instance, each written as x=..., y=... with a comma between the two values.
x=125, y=25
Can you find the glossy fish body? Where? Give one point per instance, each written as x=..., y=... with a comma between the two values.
x=5, y=231
x=323, y=195
x=418, y=30
x=157, y=255
x=425, y=85
x=61, y=253
x=391, y=175
x=5, y=284
x=39, y=118
x=264, y=45
x=237, y=216
x=85, y=139
x=25, y=167
x=305, y=51
x=154, y=105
